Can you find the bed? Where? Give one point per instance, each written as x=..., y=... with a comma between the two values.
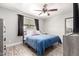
x=40, y=42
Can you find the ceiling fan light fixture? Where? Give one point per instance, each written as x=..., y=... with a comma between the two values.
x=48, y=14
x=45, y=10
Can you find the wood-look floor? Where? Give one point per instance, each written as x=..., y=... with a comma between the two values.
x=24, y=50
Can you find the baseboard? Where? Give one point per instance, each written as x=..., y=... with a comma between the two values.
x=13, y=44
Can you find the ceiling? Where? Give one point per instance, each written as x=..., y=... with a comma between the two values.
x=31, y=7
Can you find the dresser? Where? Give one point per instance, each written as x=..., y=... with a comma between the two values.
x=71, y=45
x=2, y=38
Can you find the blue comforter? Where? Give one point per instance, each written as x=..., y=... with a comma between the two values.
x=40, y=42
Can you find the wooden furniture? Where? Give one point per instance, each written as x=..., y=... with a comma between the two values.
x=2, y=38
x=71, y=45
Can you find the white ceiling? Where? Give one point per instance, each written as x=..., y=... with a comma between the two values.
x=31, y=7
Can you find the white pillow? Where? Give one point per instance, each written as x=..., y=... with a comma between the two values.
x=38, y=32
x=29, y=32
x=35, y=32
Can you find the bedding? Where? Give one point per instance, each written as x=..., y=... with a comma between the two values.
x=40, y=42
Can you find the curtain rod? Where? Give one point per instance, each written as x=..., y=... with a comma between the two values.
x=29, y=17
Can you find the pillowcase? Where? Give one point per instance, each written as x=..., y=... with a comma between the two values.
x=35, y=32
x=38, y=32
x=29, y=32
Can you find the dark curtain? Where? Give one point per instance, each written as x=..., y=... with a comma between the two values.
x=20, y=25
x=75, y=18
x=37, y=24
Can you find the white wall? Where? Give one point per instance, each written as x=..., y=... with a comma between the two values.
x=41, y=25
x=11, y=21
x=56, y=24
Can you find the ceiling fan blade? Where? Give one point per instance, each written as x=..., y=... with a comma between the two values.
x=38, y=10
x=53, y=10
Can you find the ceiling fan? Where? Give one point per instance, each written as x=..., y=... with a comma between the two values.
x=45, y=10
